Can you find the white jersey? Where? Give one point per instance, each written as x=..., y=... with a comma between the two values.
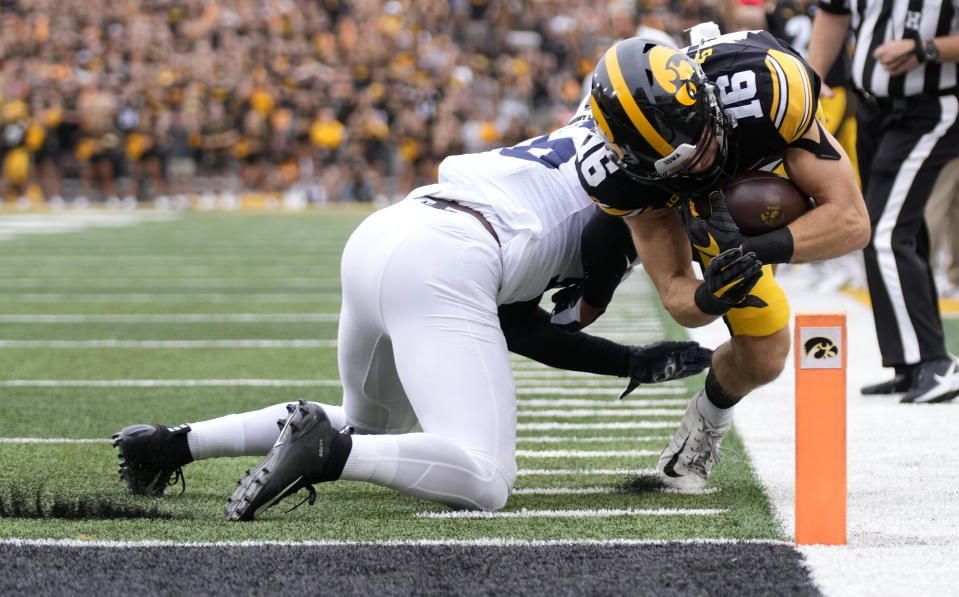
x=532, y=195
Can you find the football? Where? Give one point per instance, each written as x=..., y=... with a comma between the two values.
x=761, y=201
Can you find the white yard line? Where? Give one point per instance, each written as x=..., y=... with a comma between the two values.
x=175, y=318
x=585, y=426
x=150, y=383
x=147, y=297
x=572, y=439
x=51, y=440
x=572, y=391
x=601, y=412
x=599, y=491
x=600, y=513
x=586, y=453
x=903, y=468
x=600, y=401
x=167, y=343
x=525, y=472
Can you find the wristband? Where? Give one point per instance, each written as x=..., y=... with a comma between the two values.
x=771, y=247
x=918, y=51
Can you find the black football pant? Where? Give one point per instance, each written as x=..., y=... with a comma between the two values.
x=903, y=146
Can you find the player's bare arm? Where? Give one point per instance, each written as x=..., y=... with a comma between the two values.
x=839, y=224
x=664, y=251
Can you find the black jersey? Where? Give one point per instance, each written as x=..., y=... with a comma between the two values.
x=769, y=92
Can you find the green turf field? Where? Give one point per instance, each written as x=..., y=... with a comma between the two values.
x=179, y=320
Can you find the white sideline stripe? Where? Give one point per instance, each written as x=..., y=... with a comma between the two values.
x=167, y=343
x=584, y=426
x=597, y=391
x=600, y=513
x=598, y=402
x=174, y=318
x=550, y=439
x=601, y=490
x=50, y=440
x=142, y=297
x=149, y=383
x=599, y=412
x=524, y=472
x=585, y=453
x=482, y=542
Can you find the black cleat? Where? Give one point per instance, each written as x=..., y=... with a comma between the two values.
x=936, y=381
x=308, y=451
x=902, y=382
x=151, y=454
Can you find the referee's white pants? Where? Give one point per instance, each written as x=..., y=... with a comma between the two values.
x=420, y=341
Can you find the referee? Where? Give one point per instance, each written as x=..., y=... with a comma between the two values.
x=904, y=67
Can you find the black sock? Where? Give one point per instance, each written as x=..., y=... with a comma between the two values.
x=717, y=395
x=179, y=448
x=340, y=451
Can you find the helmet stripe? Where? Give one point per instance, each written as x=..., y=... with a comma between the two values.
x=600, y=119
x=629, y=105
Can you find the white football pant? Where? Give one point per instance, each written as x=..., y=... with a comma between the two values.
x=419, y=341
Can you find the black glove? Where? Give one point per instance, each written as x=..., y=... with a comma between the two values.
x=727, y=281
x=663, y=361
x=716, y=232
x=566, y=310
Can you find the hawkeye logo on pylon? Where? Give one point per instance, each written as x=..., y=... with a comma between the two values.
x=673, y=70
x=820, y=347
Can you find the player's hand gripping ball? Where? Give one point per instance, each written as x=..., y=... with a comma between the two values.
x=762, y=201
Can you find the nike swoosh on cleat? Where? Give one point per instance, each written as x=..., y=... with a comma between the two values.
x=280, y=494
x=669, y=469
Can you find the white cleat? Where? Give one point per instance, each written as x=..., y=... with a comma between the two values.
x=687, y=460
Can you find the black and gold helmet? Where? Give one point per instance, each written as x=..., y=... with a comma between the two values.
x=659, y=115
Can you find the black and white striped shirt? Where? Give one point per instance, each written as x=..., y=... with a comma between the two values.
x=878, y=21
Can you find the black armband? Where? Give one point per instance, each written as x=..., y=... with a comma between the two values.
x=607, y=252
x=822, y=150
x=771, y=247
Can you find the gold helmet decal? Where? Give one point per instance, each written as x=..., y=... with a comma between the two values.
x=672, y=71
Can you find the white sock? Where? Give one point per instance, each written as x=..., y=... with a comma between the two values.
x=717, y=417
x=246, y=434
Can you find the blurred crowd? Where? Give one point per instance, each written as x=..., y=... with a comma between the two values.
x=338, y=99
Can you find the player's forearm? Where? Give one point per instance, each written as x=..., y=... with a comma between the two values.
x=678, y=298
x=840, y=223
x=663, y=249
x=529, y=333
x=828, y=37
x=827, y=232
